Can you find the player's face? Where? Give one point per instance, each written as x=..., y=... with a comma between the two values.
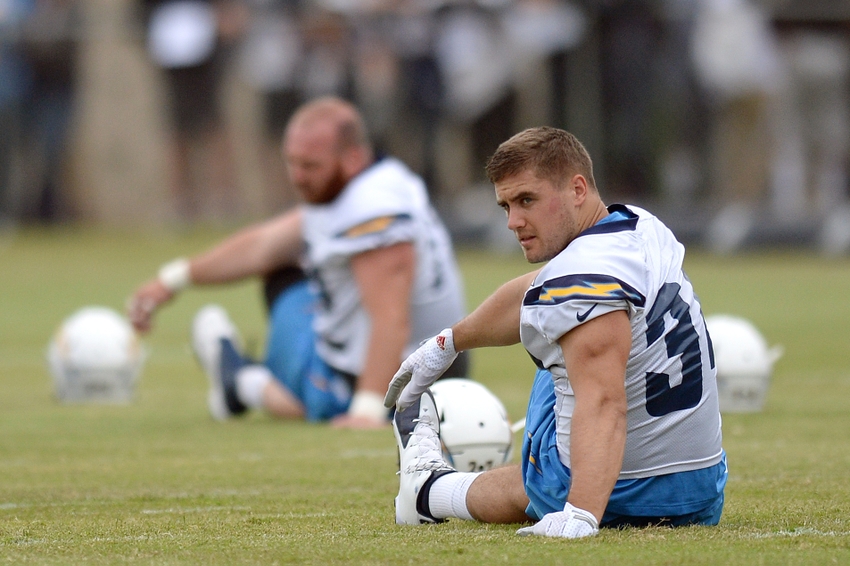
x=543, y=217
x=314, y=162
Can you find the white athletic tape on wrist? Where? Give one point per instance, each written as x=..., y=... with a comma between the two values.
x=368, y=404
x=175, y=275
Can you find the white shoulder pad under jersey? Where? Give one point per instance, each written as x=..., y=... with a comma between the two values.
x=386, y=204
x=632, y=262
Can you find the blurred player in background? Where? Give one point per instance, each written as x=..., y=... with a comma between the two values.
x=623, y=424
x=379, y=276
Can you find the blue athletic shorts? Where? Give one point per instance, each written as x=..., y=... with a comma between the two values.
x=684, y=498
x=291, y=355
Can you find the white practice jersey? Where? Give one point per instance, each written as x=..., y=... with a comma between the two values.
x=633, y=263
x=384, y=205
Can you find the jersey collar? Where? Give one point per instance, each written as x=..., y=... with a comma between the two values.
x=619, y=219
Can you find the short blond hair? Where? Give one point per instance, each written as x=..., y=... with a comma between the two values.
x=550, y=153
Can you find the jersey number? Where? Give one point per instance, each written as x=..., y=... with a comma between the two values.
x=661, y=398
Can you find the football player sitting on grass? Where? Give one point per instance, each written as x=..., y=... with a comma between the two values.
x=356, y=277
x=623, y=424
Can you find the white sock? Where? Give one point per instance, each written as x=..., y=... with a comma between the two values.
x=447, y=497
x=251, y=381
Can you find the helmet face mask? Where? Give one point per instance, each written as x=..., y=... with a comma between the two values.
x=95, y=356
x=474, y=426
x=744, y=363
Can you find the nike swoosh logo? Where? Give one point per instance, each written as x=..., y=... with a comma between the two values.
x=582, y=316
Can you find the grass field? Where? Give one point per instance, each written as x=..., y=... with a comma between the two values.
x=158, y=482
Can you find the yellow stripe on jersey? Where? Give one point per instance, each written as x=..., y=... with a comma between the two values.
x=582, y=287
x=370, y=227
x=588, y=290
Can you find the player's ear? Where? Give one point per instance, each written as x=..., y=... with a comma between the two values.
x=578, y=184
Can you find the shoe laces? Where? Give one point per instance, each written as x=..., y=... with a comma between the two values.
x=425, y=438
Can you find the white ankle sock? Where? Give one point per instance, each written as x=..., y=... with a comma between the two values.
x=251, y=381
x=447, y=497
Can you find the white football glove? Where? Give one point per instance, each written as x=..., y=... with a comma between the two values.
x=420, y=370
x=572, y=522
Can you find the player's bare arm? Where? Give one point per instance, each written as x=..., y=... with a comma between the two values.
x=256, y=250
x=496, y=320
x=253, y=251
x=494, y=323
x=595, y=356
x=385, y=279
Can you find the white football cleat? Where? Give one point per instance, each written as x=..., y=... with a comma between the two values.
x=214, y=339
x=417, y=433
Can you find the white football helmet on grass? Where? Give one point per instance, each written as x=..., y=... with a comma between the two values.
x=474, y=426
x=744, y=363
x=95, y=356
